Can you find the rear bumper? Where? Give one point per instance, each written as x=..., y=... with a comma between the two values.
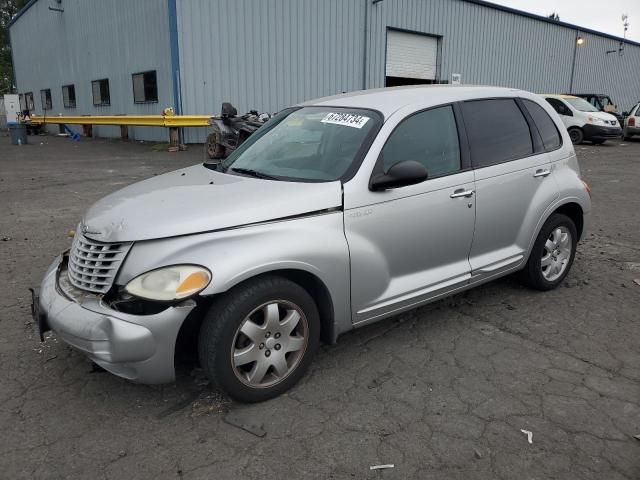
x=136, y=347
x=628, y=131
x=594, y=132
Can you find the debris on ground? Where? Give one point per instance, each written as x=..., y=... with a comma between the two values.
x=528, y=434
x=381, y=467
x=238, y=420
x=6, y=239
x=71, y=233
x=383, y=378
x=477, y=453
x=636, y=281
x=637, y=437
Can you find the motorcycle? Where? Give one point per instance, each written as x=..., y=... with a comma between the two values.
x=231, y=130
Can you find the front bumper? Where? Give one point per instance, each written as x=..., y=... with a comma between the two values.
x=136, y=347
x=595, y=132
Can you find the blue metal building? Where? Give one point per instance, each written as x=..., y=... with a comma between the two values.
x=267, y=54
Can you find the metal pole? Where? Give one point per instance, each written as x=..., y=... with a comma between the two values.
x=573, y=63
x=365, y=41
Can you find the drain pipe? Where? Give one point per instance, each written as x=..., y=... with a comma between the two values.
x=365, y=44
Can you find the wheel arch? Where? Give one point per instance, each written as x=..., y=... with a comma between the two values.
x=188, y=334
x=574, y=211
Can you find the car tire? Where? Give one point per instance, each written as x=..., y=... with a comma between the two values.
x=576, y=136
x=214, y=148
x=552, y=254
x=244, y=345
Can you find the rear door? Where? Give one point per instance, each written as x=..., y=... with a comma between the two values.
x=513, y=176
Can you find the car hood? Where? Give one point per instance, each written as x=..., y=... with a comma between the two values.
x=197, y=199
x=603, y=116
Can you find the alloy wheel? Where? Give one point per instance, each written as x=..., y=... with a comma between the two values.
x=269, y=344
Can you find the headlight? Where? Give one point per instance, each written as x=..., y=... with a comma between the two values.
x=170, y=283
x=595, y=120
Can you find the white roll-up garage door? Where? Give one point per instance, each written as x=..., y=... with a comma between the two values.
x=410, y=55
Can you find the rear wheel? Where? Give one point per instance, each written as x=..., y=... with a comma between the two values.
x=257, y=341
x=576, y=136
x=552, y=254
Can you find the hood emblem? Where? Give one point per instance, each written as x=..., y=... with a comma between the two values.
x=87, y=229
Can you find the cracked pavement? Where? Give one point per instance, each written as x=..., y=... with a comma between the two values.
x=441, y=392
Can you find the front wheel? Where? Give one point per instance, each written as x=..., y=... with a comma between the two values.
x=576, y=136
x=552, y=254
x=257, y=341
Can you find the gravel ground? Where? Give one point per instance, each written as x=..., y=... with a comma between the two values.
x=441, y=392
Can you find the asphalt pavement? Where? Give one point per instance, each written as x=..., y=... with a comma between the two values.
x=442, y=392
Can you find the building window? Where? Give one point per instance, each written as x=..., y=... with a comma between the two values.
x=28, y=97
x=45, y=98
x=145, y=87
x=23, y=105
x=69, y=96
x=100, y=89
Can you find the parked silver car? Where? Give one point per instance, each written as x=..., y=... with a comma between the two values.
x=337, y=213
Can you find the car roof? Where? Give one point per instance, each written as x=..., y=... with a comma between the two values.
x=389, y=100
x=558, y=95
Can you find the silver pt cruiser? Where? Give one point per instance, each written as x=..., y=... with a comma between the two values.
x=337, y=213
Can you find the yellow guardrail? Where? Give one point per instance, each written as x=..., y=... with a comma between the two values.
x=167, y=121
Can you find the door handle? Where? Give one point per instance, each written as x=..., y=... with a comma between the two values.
x=461, y=192
x=542, y=172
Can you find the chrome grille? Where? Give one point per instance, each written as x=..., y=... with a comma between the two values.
x=93, y=265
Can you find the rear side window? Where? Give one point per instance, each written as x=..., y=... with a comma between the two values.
x=546, y=126
x=497, y=131
x=429, y=137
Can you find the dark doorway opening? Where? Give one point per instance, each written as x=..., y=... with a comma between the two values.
x=400, y=81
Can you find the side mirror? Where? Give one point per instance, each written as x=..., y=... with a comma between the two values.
x=625, y=114
x=408, y=172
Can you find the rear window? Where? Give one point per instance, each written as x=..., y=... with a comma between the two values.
x=546, y=127
x=497, y=131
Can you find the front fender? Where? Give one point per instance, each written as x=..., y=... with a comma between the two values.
x=314, y=244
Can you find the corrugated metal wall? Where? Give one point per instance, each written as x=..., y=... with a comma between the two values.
x=267, y=54
x=94, y=39
x=494, y=47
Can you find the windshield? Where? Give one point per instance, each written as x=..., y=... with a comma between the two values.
x=306, y=144
x=581, y=104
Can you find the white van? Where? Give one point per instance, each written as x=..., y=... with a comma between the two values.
x=583, y=120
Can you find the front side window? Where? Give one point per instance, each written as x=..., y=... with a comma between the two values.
x=145, y=87
x=69, y=96
x=100, y=90
x=307, y=144
x=580, y=104
x=45, y=98
x=429, y=137
x=546, y=127
x=497, y=131
x=558, y=106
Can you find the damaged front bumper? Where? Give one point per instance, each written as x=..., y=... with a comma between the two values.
x=136, y=347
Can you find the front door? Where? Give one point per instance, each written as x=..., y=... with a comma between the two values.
x=410, y=244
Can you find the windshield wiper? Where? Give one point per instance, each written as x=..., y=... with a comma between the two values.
x=253, y=173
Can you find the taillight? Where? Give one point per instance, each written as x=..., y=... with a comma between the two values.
x=587, y=188
x=632, y=121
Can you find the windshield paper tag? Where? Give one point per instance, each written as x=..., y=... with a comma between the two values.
x=346, y=119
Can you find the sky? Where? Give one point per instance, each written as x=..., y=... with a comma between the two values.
x=603, y=16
